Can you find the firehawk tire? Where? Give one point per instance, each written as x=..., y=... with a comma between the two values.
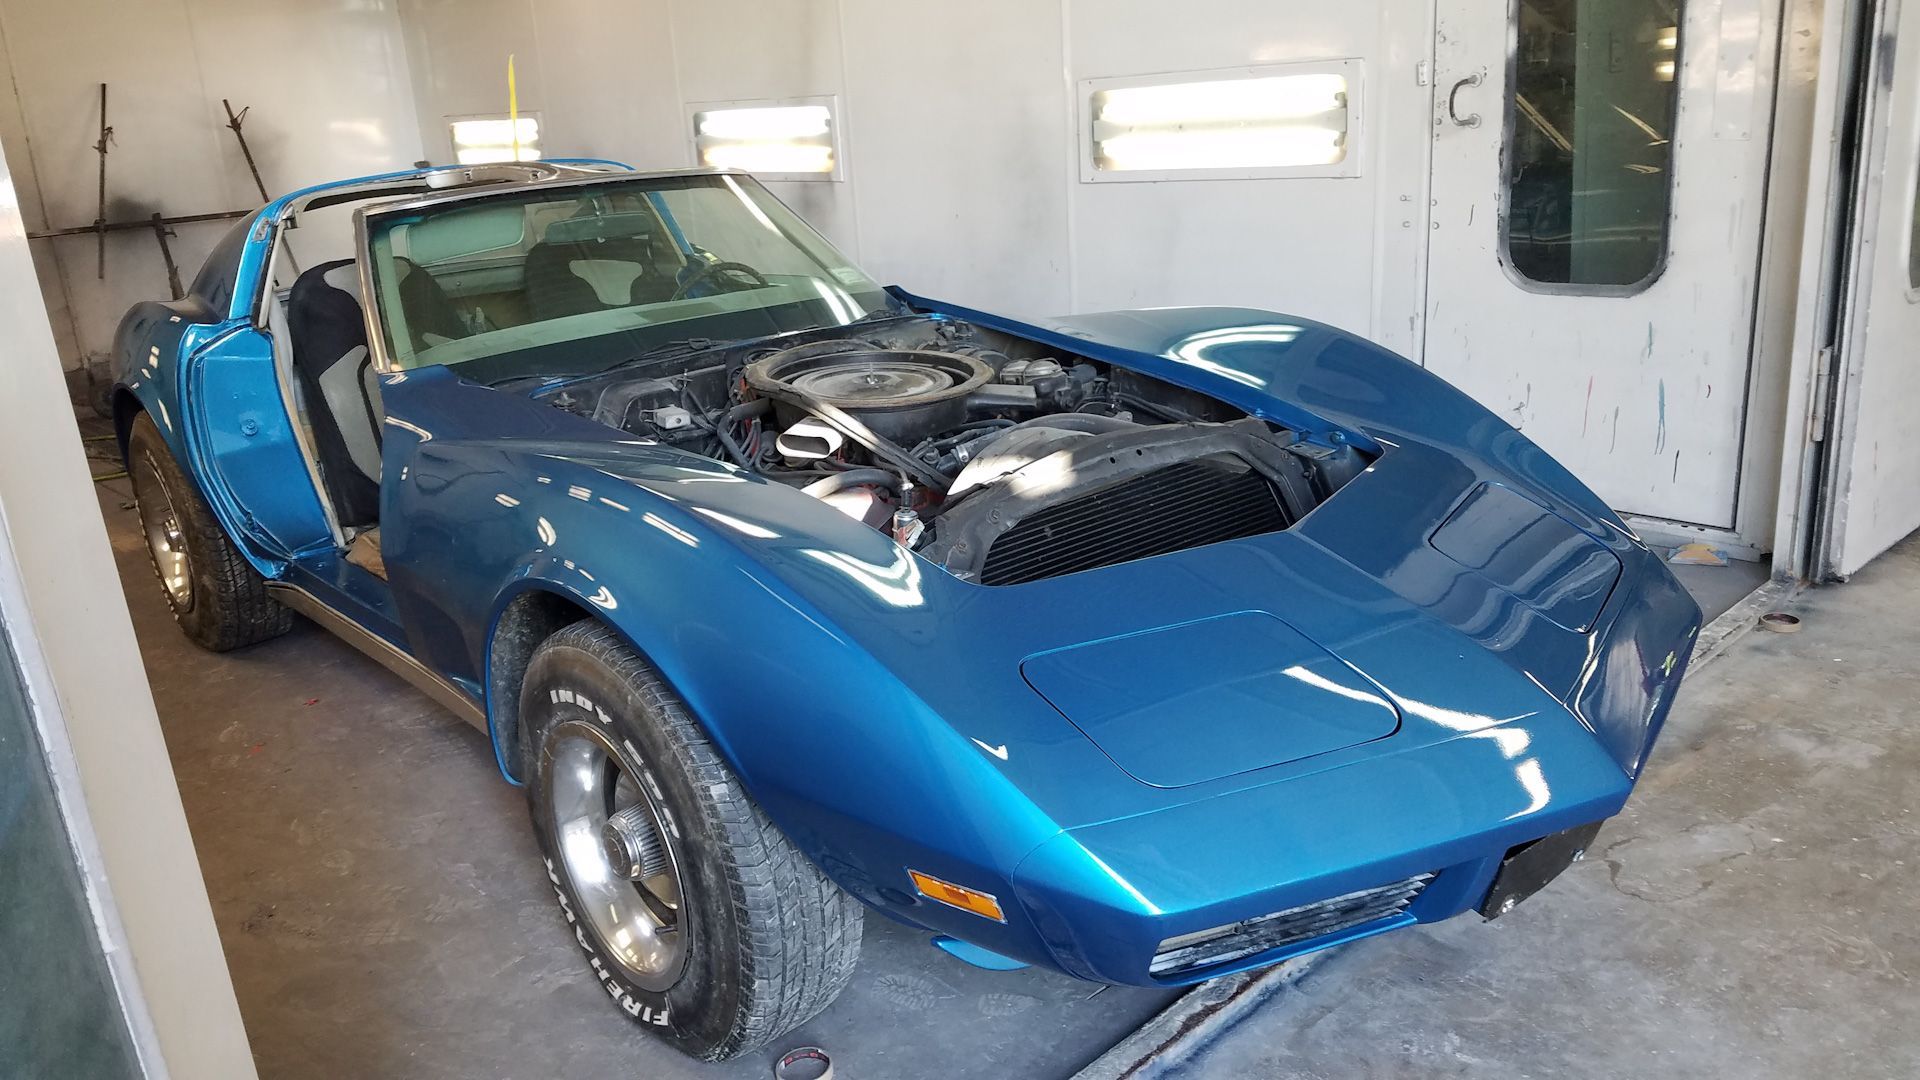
x=217, y=597
x=698, y=918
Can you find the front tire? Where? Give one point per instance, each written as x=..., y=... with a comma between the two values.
x=700, y=920
x=217, y=597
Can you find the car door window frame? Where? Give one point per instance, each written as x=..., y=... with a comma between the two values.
x=280, y=345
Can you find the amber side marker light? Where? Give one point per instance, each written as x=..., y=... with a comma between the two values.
x=959, y=896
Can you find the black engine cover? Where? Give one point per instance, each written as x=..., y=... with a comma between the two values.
x=1132, y=494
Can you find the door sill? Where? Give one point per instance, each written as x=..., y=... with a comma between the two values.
x=1661, y=532
x=381, y=650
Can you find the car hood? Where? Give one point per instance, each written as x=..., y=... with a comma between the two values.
x=1144, y=685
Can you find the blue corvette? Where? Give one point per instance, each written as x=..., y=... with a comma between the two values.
x=1147, y=646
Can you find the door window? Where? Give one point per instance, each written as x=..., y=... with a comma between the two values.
x=60, y=1014
x=1590, y=151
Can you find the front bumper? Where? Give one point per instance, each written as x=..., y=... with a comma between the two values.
x=1104, y=898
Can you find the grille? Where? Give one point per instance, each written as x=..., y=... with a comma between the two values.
x=1184, y=505
x=1290, y=927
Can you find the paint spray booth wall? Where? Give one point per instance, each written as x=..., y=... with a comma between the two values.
x=326, y=80
x=959, y=138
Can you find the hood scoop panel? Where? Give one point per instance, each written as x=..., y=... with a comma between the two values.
x=1522, y=548
x=1185, y=704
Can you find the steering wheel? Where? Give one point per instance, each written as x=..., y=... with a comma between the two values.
x=708, y=270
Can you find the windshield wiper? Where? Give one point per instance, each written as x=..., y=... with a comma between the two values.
x=542, y=378
x=546, y=379
x=879, y=314
x=677, y=347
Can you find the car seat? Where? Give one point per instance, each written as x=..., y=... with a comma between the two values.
x=575, y=268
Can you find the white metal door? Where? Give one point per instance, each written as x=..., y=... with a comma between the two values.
x=1598, y=177
x=1876, y=489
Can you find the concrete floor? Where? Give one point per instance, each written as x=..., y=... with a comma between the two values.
x=1751, y=914
x=375, y=885
x=1717, y=588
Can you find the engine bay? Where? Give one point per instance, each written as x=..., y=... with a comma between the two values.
x=993, y=456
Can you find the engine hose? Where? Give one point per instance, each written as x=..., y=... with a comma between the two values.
x=841, y=481
x=1091, y=423
x=733, y=447
x=1086, y=423
x=747, y=409
x=1165, y=412
x=734, y=450
x=977, y=429
x=882, y=448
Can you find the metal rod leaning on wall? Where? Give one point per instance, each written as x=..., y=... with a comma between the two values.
x=159, y=223
x=160, y=233
x=100, y=218
x=143, y=223
x=234, y=120
x=162, y=229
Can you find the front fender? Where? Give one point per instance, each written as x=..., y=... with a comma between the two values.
x=714, y=577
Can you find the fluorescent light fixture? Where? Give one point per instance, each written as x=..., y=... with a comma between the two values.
x=781, y=140
x=483, y=139
x=1291, y=121
x=769, y=157
x=1223, y=101
x=778, y=123
x=1266, y=146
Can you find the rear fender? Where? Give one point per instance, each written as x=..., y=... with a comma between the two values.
x=147, y=347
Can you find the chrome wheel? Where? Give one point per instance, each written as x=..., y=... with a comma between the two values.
x=165, y=539
x=617, y=852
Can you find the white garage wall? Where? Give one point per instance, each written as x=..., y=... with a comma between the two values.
x=1305, y=246
x=330, y=94
x=457, y=53
x=958, y=135
x=958, y=128
x=753, y=50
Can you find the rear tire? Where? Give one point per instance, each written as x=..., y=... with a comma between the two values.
x=217, y=597
x=759, y=940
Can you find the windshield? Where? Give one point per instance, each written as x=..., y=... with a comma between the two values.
x=577, y=278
